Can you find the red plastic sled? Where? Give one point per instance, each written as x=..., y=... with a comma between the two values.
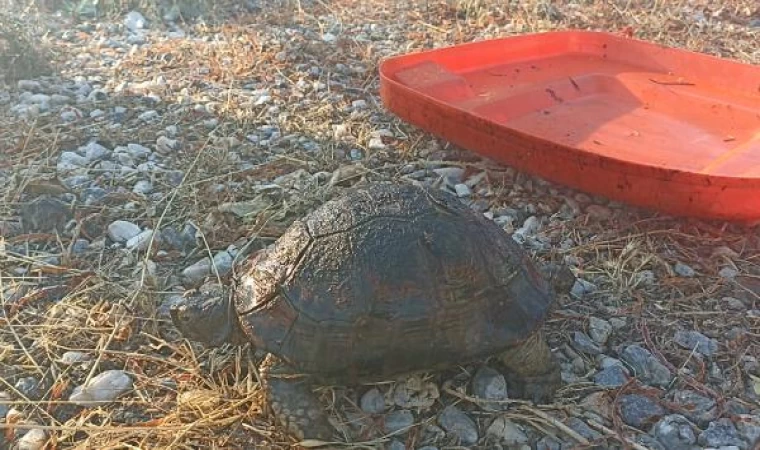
x=653, y=126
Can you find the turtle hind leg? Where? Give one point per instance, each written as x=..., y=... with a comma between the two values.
x=535, y=373
x=292, y=401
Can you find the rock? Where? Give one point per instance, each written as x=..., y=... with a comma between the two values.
x=44, y=215
x=396, y=445
x=645, y=277
x=27, y=386
x=373, y=402
x=748, y=427
x=734, y=303
x=618, y=323
x=136, y=151
x=683, y=270
x=457, y=423
x=140, y=241
x=582, y=288
x=104, y=387
x=640, y=411
x=696, y=407
x=453, y=174
x=376, y=143
x=489, y=384
x=94, y=152
x=198, y=271
x=143, y=187
x=599, y=330
x=4, y=397
x=134, y=21
x=223, y=263
x=548, y=443
x=462, y=190
x=613, y=377
x=70, y=115
x=29, y=85
x=694, y=340
x=584, y=344
x=33, y=439
x=70, y=161
x=728, y=273
x=675, y=432
x=649, y=442
x=397, y=421
x=582, y=428
x=121, y=231
x=646, y=367
x=74, y=357
x=506, y=432
x=93, y=195
x=720, y=433
x=165, y=145
x=329, y=38
x=148, y=116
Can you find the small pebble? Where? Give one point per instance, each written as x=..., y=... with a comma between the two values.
x=696, y=341
x=121, y=231
x=4, y=397
x=582, y=288
x=548, y=443
x=489, y=384
x=165, y=145
x=105, y=387
x=640, y=411
x=455, y=422
x=137, y=151
x=141, y=241
x=683, y=270
x=584, y=344
x=143, y=187
x=135, y=21
x=582, y=428
x=148, y=116
x=373, y=402
x=613, y=377
x=645, y=366
x=748, y=427
x=675, y=432
x=74, y=357
x=462, y=190
x=27, y=386
x=397, y=421
x=720, y=433
x=506, y=432
x=734, y=303
x=396, y=445
x=599, y=330
x=696, y=407
x=33, y=439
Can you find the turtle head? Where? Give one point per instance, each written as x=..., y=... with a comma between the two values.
x=208, y=319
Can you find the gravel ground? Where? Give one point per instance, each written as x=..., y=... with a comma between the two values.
x=162, y=152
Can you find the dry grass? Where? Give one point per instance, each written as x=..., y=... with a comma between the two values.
x=107, y=304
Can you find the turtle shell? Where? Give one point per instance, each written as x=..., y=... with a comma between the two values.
x=390, y=279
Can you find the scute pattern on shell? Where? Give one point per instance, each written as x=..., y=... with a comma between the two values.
x=388, y=279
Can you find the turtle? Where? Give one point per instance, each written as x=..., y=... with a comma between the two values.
x=387, y=280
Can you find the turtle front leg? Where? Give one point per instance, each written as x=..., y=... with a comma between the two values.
x=535, y=373
x=292, y=401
